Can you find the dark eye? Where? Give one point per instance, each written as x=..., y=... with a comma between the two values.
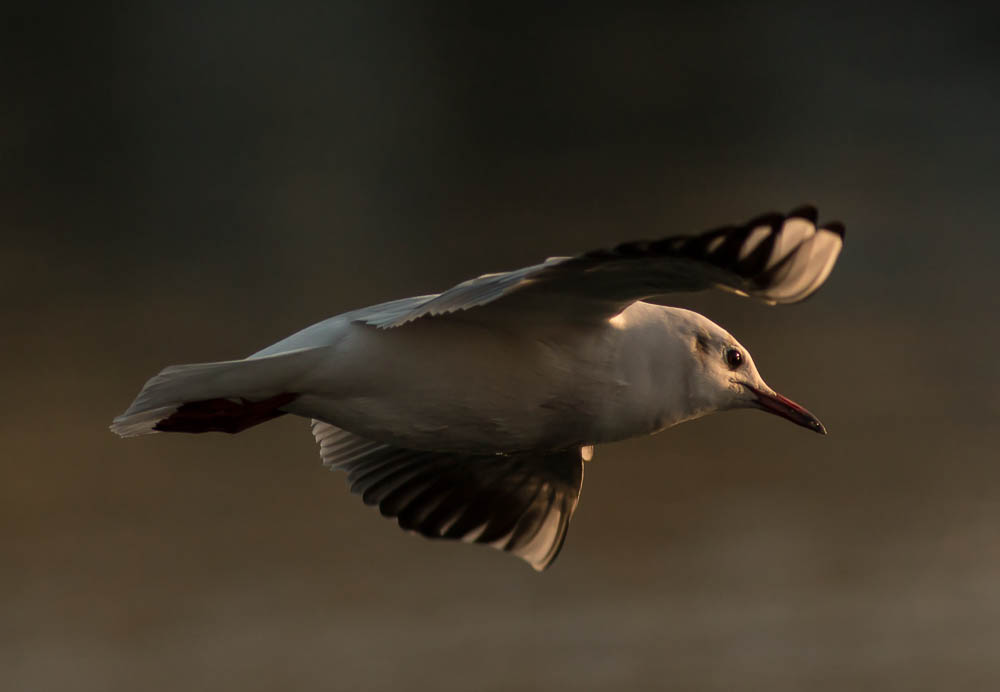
x=734, y=358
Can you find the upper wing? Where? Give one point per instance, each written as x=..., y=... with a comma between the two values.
x=520, y=503
x=776, y=258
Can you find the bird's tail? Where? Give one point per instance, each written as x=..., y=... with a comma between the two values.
x=227, y=396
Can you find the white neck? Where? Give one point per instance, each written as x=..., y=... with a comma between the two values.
x=657, y=389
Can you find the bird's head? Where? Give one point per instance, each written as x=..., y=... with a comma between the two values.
x=725, y=377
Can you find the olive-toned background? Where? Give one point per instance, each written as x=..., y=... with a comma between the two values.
x=186, y=182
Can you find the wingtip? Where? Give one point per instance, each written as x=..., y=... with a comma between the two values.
x=805, y=211
x=836, y=227
x=773, y=219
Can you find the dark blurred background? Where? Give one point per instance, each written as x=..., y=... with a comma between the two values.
x=188, y=182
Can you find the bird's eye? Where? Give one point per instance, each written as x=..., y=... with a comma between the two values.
x=733, y=358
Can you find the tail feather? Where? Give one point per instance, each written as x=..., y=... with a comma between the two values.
x=224, y=415
x=227, y=396
x=141, y=423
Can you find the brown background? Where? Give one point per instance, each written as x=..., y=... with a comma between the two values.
x=190, y=182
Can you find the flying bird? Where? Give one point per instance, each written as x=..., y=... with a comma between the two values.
x=470, y=414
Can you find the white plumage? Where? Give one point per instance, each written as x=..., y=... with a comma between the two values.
x=468, y=414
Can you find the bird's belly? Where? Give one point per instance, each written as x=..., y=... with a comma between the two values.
x=410, y=424
x=461, y=388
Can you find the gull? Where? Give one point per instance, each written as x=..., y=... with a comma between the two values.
x=469, y=414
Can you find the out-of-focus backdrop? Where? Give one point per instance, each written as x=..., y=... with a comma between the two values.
x=188, y=182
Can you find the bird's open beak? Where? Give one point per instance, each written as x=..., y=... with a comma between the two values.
x=772, y=402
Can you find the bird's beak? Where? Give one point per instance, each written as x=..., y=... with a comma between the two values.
x=772, y=402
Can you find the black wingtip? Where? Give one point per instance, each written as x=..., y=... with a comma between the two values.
x=836, y=227
x=805, y=211
x=771, y=218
